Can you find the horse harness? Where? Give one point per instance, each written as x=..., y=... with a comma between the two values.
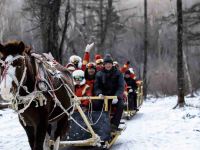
x=42, y=68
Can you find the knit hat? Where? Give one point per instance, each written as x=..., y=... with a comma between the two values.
x=108, y=59
x=98, y=59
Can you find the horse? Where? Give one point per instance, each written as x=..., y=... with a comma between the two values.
x=39, y=92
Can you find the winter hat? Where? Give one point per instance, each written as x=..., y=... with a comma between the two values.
x=115, y=63
x=98, y=59
x=91, y=65
x=108, y=59
x=79, y=75
x=76, y=60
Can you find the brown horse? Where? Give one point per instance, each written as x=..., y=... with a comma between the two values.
x=39, y=92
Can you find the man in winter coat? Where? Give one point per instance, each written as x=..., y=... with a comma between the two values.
x=132, y=88
x=110, y=82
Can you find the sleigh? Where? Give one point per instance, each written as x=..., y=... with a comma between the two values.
x=92, y=128
x=129, y=111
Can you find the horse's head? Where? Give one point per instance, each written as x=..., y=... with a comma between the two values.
x=12, y=68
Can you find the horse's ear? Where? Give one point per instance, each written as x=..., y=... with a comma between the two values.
x=21, y=47
x=1, y=49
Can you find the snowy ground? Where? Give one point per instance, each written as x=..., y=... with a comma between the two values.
x=156, y=127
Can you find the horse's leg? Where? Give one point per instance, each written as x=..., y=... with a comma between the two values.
x=56, y=144
x=30, y=133
x=62, y=126
x=41, y=131
x=40, y=136
x=46, y=145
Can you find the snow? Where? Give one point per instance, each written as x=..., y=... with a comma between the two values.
x=156, y=126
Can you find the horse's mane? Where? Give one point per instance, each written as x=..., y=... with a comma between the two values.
x=13, y=47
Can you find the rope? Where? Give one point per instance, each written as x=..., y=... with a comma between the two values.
x=90, y=115
x=73, y=102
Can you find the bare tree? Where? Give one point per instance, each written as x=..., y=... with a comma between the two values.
x=180, y=65
x=67, y=11
x=145, y=50
x=2, y=21
x=46, y=15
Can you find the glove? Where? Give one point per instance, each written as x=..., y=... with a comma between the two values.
x=89, y=47
x=130, y=90
x=101, y=96
x=114, y=101
x=131, y=70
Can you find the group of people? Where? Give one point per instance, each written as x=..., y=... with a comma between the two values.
x=104, y=77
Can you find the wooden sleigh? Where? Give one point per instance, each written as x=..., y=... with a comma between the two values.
x=129, y=113
x=96, y=136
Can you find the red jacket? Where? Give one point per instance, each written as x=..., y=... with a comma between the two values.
x=83, y=90
x=124, y=68
x=86, y=59
x=91, y=84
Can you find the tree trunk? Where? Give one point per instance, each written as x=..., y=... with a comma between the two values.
x=180, y=67
x=50, y=28
x=188, y=75
x=145, y=50
x=107, y=21
x=99, y=45
x=67, y=11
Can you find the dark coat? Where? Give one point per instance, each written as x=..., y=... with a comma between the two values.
x=131, y=83
x=109, y=83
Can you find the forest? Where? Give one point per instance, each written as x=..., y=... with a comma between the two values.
x=65, y=27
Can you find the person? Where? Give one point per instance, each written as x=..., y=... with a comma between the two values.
x=132, y=88
x=81, y=88
x=90, y=73
x=77, y=60
x=110, y=82
x=99, y=62
x=125, y=67
x=116, y=64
